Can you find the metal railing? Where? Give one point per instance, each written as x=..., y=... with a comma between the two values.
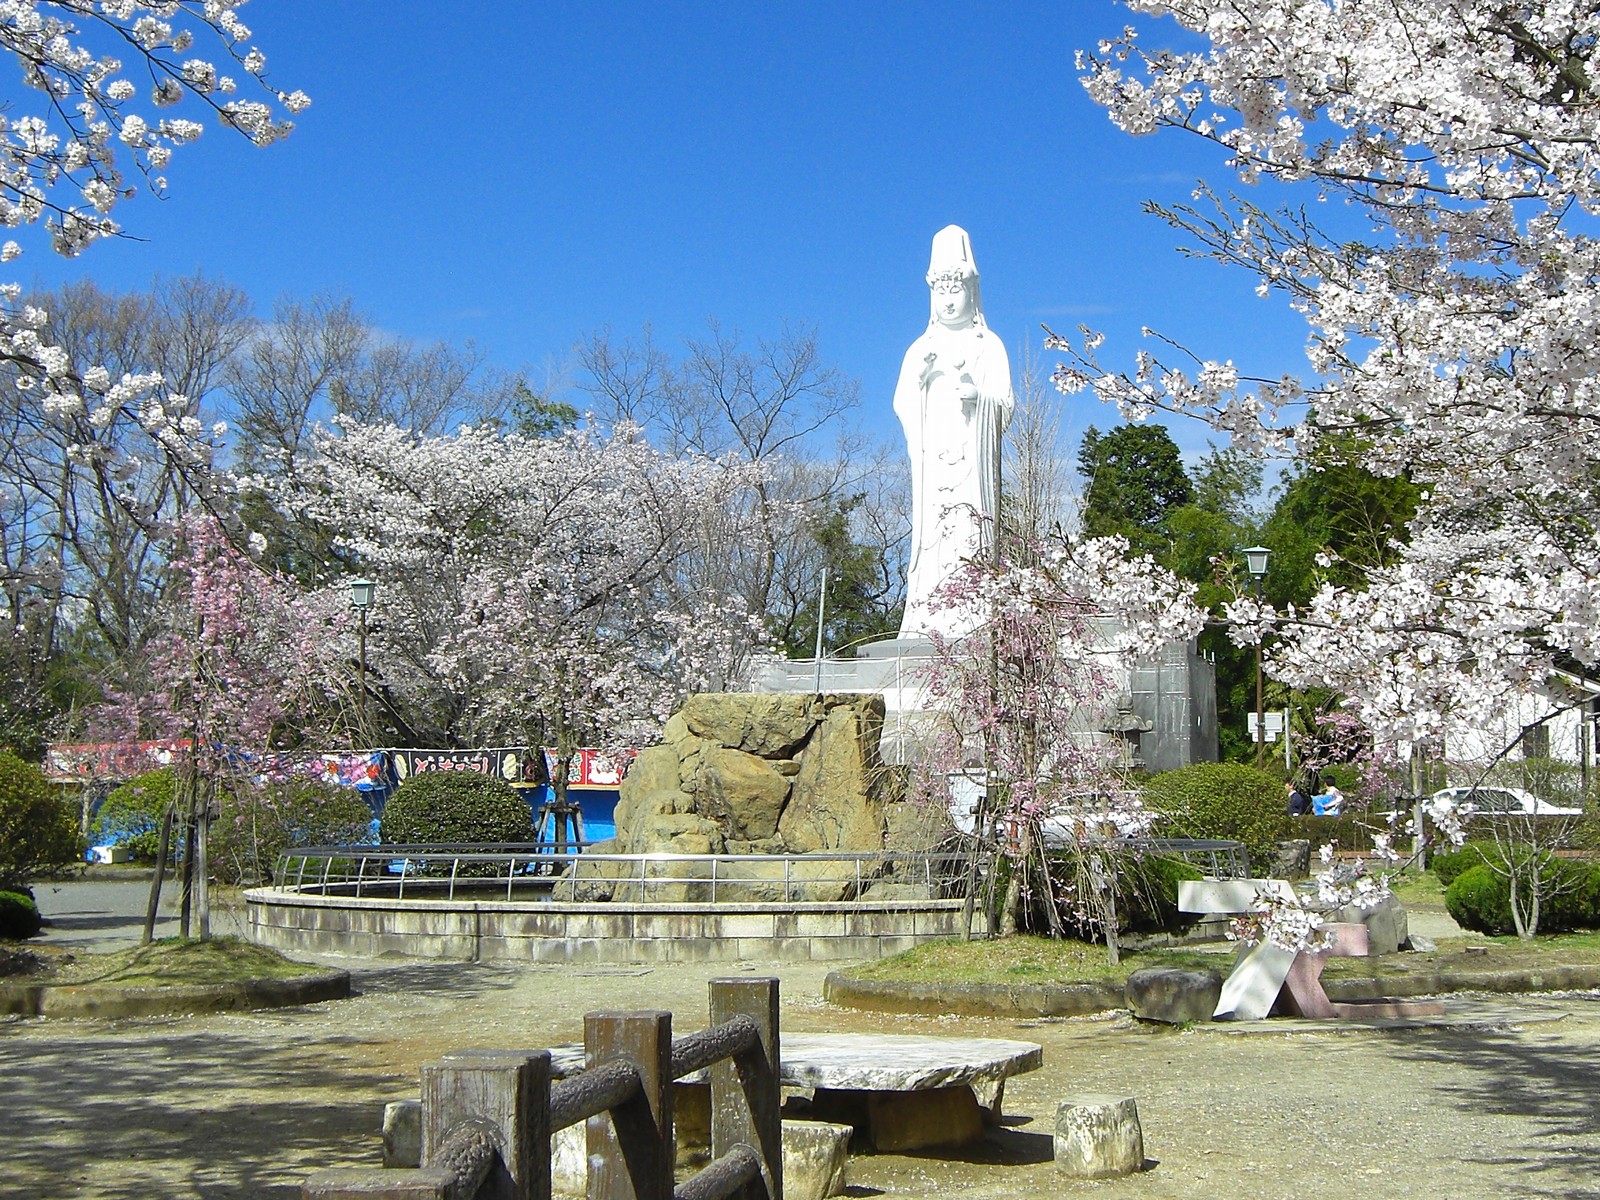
x=1215, y=858
x=488, y=1116
x=425, y=872
x=509, y=871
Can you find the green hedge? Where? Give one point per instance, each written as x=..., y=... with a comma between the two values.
x=1222, y=800
x=38, y=833
x=19, y=917
x=131, y=815
x=1480, y=898
x=455, y=808
x=1150, y=894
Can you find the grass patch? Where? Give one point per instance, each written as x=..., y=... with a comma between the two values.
x=1475, y=954
x=1418, y=889
x=1029, y=959
x=170, y=962
x=1024, y=959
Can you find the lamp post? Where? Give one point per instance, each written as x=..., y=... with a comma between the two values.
x=361, y=593
x=1255, y=561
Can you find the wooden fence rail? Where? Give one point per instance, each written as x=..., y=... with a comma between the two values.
x=488, y=1116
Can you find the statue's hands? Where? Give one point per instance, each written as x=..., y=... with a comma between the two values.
x=968, y=393
x=928, y=369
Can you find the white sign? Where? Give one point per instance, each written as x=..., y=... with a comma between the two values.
x=1274, y=726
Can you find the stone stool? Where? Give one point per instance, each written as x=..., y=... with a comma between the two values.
x=1098, y=1136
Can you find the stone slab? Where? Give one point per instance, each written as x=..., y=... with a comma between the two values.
x=943, y=1116
x=1227, y=895
x=1388, y=926
x=901, y=1062
x=1249, y=993
x=885, y=1062
x=1302, y=987
x=1388, y=1009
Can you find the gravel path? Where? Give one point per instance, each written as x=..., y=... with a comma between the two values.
x=235, y=1106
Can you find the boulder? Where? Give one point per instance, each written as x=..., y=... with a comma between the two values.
x=833, y=804
x=915, y=828
x=1291, y=860
x=1388, y=928
x=767, y=726
x=758, y=774
x=1172, y=995
x=742, y=792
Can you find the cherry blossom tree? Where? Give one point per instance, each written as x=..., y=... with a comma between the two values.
x=1451, y=299
x=1452, y=332
x=243, y=662
x=1021, y=702
x=110, y=76
x=529, y=588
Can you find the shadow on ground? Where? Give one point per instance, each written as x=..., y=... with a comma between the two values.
x=431, y=979
x=1548, y=1088
x=142, y=1122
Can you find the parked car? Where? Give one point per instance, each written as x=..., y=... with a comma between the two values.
x=1500, y=801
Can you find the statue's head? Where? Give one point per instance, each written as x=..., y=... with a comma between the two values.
x=953, y=280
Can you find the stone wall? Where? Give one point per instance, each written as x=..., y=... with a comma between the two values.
x=488, y=931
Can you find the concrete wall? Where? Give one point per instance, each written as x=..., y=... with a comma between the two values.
x=1175, y=690
x=543, y=932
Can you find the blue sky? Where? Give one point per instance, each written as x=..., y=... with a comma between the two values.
x=523, y=174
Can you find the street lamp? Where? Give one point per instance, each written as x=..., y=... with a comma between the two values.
x=361, y=593
x=1255, y=561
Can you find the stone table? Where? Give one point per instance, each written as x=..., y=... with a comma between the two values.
x=903, y=1092
x=898, y=1091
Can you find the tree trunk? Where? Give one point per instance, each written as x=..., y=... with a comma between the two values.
x=162, y=851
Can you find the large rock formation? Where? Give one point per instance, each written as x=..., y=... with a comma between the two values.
x=758, y=774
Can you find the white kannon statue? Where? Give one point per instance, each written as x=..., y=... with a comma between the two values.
x=954, y=399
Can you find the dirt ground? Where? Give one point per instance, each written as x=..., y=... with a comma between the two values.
x=1502, y=1104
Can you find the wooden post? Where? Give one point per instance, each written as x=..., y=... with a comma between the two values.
x=504, y=1093
x=631, y=1147
x=745, y=1097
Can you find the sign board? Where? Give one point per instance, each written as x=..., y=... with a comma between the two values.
x=1274, y=726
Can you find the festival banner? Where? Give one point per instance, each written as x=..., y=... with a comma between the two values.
x=514, y=764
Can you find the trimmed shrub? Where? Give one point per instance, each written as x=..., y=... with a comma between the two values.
x=38, y=833
x=1480, y=899
x=455, y=808
x=257, y=824
x=131, y=815
x=1221, y=800
x=19, y=917
x=1450, y=865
